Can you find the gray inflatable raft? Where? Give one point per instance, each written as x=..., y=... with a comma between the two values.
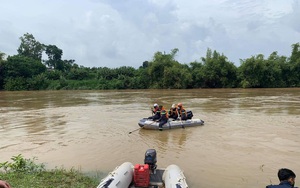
x=171, y=124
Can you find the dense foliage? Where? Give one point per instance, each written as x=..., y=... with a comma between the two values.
x=28, y=71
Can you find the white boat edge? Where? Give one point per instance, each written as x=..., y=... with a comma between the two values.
x=122, y=177
x=174, y=177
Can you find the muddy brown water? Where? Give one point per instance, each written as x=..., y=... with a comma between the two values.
x=248, y=133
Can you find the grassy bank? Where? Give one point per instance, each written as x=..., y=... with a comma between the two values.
x=25, y=173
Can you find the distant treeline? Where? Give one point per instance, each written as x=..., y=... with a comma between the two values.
x=28, y=71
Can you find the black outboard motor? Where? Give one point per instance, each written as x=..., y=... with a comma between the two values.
x=150, y=159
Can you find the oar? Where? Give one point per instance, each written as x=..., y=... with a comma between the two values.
x=139, y=128
x=133, y=131
x=169, y=124
x=182, y=126
x=179, y=115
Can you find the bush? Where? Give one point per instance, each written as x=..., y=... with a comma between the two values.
x=15, y=84
x=21, y=164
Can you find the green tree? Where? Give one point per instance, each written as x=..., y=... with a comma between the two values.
x=218, y=71
x=294, y=64
x=273, y=71
x=197, y=70
x=157, y=69
x=2, y=56
x=22, y=73
x=15, y=84
x=141, y=79
x=79, y=73
x=176, y=77
x=68, y=64
x=257, y=72
x=295, y=56
x=30, y=47
x=54, y=57
x=125, y=71
x=2, y=61
x=54, y=75
x=251, y=72
x=106, y=73
x=145, y=64
x=20, y=66
x=38, y=82
x=55, y=61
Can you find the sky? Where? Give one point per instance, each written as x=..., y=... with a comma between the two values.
x=115, y=33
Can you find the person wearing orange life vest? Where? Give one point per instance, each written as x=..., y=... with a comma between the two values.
x=173, y=113
x=163, y=117
x=182, y=112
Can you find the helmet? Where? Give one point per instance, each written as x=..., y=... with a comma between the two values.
x=155, y=105
x=173, y=106
x=179, y=105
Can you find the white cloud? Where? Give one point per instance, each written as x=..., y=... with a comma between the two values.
x=117, y=33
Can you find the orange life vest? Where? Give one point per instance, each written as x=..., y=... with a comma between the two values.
x=164, y=113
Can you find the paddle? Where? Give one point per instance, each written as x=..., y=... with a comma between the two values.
x=140, y=127
x=169, y=124
x=179, y=115
x=133, y=130
x=182, y=126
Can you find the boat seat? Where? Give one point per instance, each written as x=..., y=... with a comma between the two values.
x=156, y=177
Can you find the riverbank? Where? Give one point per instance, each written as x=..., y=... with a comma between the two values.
x=26, y=173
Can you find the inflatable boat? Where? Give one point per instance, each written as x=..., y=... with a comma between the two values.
x=145, y=175
x=171, y=124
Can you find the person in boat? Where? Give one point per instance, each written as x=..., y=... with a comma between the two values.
x=163, y=117
x=173, y=113
x=156, y=112
x=286, y=177
x=182, y=112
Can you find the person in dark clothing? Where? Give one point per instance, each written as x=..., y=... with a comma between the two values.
x=163, y=117
x=286, y=178
x=173, y=113
x=182, y=112
x=156, y=112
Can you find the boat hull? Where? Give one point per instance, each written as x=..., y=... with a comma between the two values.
x=173, y=177
x=121, y=177
x=171, y=124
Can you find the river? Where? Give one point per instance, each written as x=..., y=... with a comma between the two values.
x=248, y=133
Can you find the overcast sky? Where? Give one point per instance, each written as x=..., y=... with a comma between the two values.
x=115, y=33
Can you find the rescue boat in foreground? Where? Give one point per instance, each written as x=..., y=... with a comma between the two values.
x=145, y=175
